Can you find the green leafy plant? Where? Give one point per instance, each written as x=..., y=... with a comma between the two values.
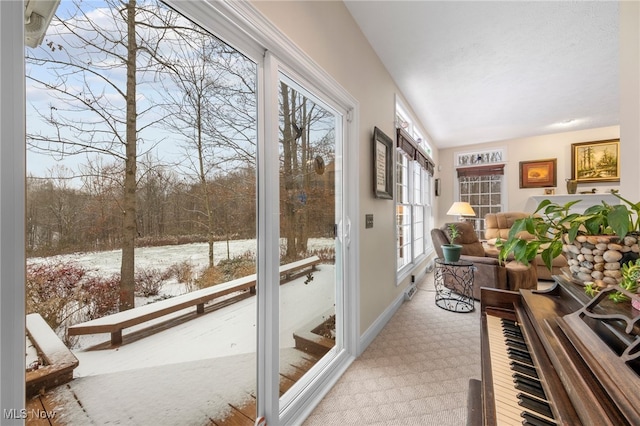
x=633, y=212
x=454, y=232
x=552, y=223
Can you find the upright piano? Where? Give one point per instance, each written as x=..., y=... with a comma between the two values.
x=557, y=357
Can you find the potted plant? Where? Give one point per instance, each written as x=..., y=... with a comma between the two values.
x=451, y=252
x=592, y=241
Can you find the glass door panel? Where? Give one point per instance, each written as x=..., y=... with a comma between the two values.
x=310, y=206
x=141, y=190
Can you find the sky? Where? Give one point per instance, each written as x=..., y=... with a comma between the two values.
x=153, y=92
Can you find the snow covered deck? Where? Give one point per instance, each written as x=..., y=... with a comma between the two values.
x=55, y=362
x=201, y=371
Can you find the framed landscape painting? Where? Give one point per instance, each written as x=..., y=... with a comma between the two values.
x=597, y=161
x=538, y=173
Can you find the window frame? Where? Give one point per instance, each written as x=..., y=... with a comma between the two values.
x=409, y=166
x=482, y=208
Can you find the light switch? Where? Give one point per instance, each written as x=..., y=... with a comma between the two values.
x=368, y=221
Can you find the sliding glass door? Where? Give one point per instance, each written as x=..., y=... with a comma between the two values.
x=310, y=205
x=181, y=161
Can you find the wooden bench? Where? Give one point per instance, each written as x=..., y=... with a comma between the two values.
x=293, y=270
x=58, y=360
x=115, y=323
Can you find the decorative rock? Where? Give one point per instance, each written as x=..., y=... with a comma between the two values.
x=583, y=276
x=607, y=239
x=581, y=238
x=601, y=246
x=613, y=274
x=580, y=257
x=612, y=256
x=610, y=281
x=625, y=249
x=612, y=266
x=585, y=250
x=597, y=275
x=598, y=266
x=587, y=264
x=589, y=257
x=600, y=283
x=592, y=239
x=574, y=268
x=629, y=240
x=614, y=246
x=635, y=248
x=573, y=249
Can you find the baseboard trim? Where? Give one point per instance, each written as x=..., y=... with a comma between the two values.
x=377, y=326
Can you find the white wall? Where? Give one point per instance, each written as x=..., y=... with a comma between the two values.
x=630, y=99
x=556, y=145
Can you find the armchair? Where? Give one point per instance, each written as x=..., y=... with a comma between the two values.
x=489, y=272
x=498, y=225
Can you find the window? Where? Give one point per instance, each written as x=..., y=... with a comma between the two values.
x=414, y=173
x=482, y=188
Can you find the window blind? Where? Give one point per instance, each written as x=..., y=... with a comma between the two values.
x=411, y=148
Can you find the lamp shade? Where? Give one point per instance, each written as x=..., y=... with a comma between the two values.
x=461, y=208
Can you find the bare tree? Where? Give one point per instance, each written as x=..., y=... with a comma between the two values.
x=93, y=63
x=301, y=120
x=214, y=112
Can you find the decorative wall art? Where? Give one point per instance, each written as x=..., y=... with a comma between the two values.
x=538, y=173
x=597, y=161
x=382, y=165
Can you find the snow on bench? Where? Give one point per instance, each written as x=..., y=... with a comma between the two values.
x=293, y=270
x=115, y=323
x=58, y=361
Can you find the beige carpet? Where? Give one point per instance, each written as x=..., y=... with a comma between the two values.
x=415, y=372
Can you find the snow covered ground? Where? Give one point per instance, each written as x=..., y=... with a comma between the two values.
x=192, y=371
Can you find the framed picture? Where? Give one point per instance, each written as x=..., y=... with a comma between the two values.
x=597, y=161
x=382, y=165
x=538, y=173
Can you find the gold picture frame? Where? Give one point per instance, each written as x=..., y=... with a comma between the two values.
x=597, y=161
x=538, y=173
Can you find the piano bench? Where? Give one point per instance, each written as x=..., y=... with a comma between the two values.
x=474, y=403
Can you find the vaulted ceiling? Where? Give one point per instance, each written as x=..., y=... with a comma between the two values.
x=483, y=71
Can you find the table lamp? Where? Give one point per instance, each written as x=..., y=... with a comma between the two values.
x=461, y=208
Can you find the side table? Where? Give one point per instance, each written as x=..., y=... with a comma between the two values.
x=454, y=285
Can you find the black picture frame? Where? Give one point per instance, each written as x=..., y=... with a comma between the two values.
x=382, y=165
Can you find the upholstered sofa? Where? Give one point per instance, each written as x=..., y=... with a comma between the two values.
x=489, y=272
x=498, y=225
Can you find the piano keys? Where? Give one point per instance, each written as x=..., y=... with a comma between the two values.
x=557, y=358
x=519, y=395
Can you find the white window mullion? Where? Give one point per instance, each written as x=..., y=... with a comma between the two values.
x=12, y=202
x=268, y=245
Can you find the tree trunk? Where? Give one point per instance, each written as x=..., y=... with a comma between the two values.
x=127, y=269
x=288, y=149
